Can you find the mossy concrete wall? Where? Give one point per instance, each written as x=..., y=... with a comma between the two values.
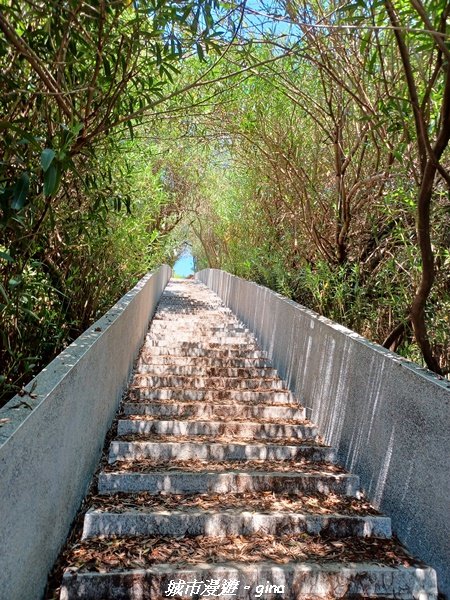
x=388, y=418
x=51, y=438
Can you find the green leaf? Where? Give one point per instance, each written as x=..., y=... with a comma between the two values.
x=28, y=137
x=130, y=128
x=47, y=157
x=195, y=20
x=76, y=128
x=106, y=67
x=163, y=70
x=4, y=294
x=15, y=281
x=372, y=61
x=30, y=313
x=158, y=53
x=50, y=180
x=200, y=52
x=6, y=256
x=20, y=192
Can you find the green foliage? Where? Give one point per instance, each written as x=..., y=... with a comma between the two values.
x=86, y=256
x=318, y=199
x=83, y=213
x=296, y=162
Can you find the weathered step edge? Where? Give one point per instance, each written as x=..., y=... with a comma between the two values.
x=217, y=451
x=283, y=397
x=98, y=523
x=209, y=411
x=299, y=580
x=235, y=428
x=167, y=359
x=204, y=371
x=185, y=482
x=213, y=352
x=207, y=382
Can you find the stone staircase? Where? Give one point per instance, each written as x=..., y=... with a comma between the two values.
x=216, y=485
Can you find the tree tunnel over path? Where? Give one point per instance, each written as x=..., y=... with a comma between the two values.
x=302, y=147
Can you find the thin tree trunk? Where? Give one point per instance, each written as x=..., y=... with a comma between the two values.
x=429, y=161
x=417, y=312
x=395, y=338
x=341, y=216
x=423, y=232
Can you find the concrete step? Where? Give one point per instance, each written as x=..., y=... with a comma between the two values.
x=173, y=311
x=216, y=314
x=205, y=340
x=196, y=320
x=204, y=344
x=98, y=523
x=201, y=482
x=205, y=371
x=211, y=466
x=219, y=351
x=267, y=580
x=283, y=397
x=169, y=328
x=201, y=361
x=237, y=429
x=216, y=451
x=228, y=383
x=200, y=410
x=165, y=338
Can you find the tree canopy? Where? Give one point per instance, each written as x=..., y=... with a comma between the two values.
x=303, y=145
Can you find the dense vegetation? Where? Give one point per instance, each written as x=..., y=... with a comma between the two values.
x=303, y=145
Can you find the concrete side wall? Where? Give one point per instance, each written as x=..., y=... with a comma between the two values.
x=51, y=439
x=389, y=418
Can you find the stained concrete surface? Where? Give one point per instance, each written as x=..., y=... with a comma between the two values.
x=389, y=418
x=52, y=438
